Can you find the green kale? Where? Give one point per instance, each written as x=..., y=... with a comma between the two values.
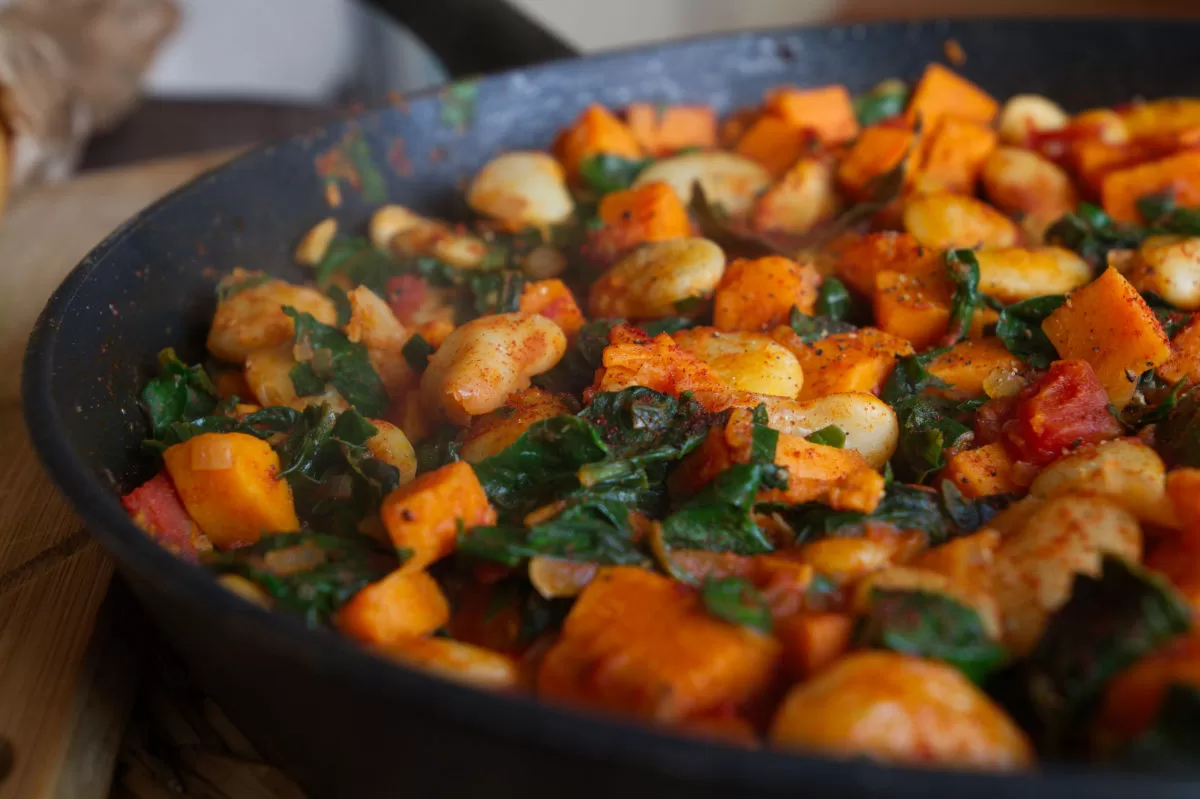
x=928, y=427
x=1020, y=328
x=541, y=465
x=341, y=302
x=438, y=448
x=1172, y=742
x=883, y=102
x=592, y=531
x=969, y=515
x=336, y=361
x=416, y=352
x=180, y=393
x=814, y=328
x=932, y=625
x=829, y=436
x=604, y=173
x=736, y=601
x=1093, y=234
x=229, y=286
x=1171, y=318
x=1109, y=622
x=494, y=292
x=963, y=270
x=1158, y=411
x=834, y=301
x=578, y=366
x=911, y=378
x=1177, y=436
x=264, y=424
x=357, y=260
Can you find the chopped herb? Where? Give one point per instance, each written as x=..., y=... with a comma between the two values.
x=963, y=269
x=604, y=173
x=829, y=436
x=736, y=601
x=929, y=624
x=349, y=368
x=834, y=301
x=417, y=351
x=1020, y=328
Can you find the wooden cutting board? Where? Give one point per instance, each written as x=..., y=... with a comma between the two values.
x=68, y=660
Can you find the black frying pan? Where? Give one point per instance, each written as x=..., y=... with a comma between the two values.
x=344, y=723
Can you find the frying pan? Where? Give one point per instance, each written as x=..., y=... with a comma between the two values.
x=342, y=722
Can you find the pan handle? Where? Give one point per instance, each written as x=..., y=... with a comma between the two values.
x=471, y=37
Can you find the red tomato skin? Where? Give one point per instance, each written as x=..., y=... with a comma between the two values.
x=156, y=508
x=406, y=294
x=1063, y=409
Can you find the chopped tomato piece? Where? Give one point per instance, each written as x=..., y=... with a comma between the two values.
x=156, y=508
x=406, y=295
x=1065, y=408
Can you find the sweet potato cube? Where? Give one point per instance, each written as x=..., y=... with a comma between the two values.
x=634, y=359
x=803, y=197
x=856, y=361
x=650, y=212
x=827, y=111
x=423, y=517
x=455, y=660
x=985, y=471
x=967, y=364
x=1177, y=174
x=553, y=300
x=1184, y=363
x=665, y=130
x=595, y=131
x=1109, y=325
x=640, y=643
x=774, y=143
x=942, y=93
x=878, y=150
x=405, y=604
x=760, y=294
x=864, y=258
x=229, y=484
x=952, y=156
x=813, y=640
x=912, y=307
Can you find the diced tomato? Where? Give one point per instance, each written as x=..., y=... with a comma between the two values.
x=156, y=508
x=1065, y=408
x=406, y=295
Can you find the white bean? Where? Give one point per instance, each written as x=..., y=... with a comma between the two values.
x=1024, y=114
x=869, y=423
x=391, y=446
x=1012, y=274
x=728, y=180
x=373, y=324
x=315, y=242
x=948, y=221
x=1022, y=182
x=481, y=363
x=253, y=318
x=1036, y=567
x=395, y=228
x=746, y=361
x=522, y=188
x=652, y=281
x=1170, y=267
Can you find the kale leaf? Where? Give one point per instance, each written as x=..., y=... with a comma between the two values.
x=336, y=361
x=1020, y=328
x=416, y=352
x=348, y=564
x=883, y=102
x=910, y=377
x=491, y=292
x=735, y=600
x=604, y=172
x=1093, y=234
x=829, y=436
x=929, y=624
x=357, y=260
x=1172, y=742
x=1177, y=436
x=928, y=427
x=963, y=269
x=180, y=393
x=1171, y=318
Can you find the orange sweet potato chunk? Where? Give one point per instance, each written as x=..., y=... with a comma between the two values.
x=985, y=471
x=878, y=150
x=804, y=197
x=595, y=131
x=1133, y=698
x=640, y=643
x=1184, y=363
x=813, y=640
x=665, y=130
x=634, y=359
x=1178, y=174
x=968, y=363
x=553, y=300
x=405, y=604
x=759, y=294
x=774, y=143
x=650, y=212
x=952, y=157
x=423, y=517
x=1109, y=325
x=912, y=307
x=864, y=258
x=857, y=361
x=942, y=93
x=827, y=111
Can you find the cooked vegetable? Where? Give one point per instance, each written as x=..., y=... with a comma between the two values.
x=781, y=428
